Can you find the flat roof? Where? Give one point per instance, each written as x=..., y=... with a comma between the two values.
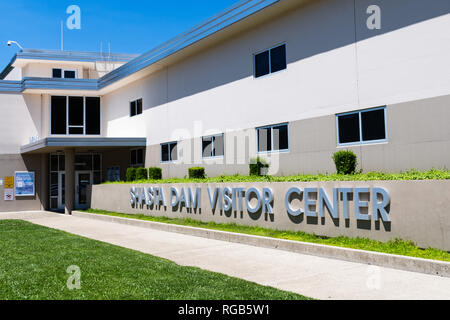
x=51, y=144
x=224, y=19
x=83, y=56
x=73, y=56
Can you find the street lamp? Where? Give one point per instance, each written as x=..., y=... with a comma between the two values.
x=14, y=42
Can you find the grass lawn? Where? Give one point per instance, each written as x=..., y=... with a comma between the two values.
x=395, y=246
x=433, y=174
x=34, y=260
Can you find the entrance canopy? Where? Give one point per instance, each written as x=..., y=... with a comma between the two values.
x=49, y=145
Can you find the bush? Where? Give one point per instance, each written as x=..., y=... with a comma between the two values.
x=155, y=173
x=345, y=162
x=256, y=166
x=141, y=174
x=197, y=173
x=131, y=174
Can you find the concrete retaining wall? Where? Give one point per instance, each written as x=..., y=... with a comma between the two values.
x=418, y=210
x=413, y=264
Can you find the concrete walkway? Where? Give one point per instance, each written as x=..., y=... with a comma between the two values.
x=311, y=276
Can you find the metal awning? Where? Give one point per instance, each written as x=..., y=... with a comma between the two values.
x=48, y=145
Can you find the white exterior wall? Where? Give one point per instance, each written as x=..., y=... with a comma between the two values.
x=20, y=120
x=408, y=63
x=45, y=70
x=327, y=72
x=14, y=75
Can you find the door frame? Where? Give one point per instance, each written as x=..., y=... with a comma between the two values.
x=61, y=185
x=91, y=181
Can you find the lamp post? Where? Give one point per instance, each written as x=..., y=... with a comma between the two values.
x=9, y=43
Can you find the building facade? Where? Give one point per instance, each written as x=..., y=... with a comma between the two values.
x=292, y=81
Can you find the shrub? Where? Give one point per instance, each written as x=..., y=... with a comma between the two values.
x=345, y=162
x=131, y=174
x=197, y=173
x=141, y=174
x=256, y=165
x=155, y=173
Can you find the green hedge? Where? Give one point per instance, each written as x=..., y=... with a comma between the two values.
x=345, y=162
x=256, y=165
x=413, y=174
x=141, y=174
x=155, y=173
x=197, y=173
x=131, y=174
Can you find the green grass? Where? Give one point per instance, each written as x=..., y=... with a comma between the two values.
x=34, y=260
x=395, y=246
x=433, y=174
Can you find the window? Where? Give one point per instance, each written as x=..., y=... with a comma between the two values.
x=66, y=74
x=75, y=115
x=137, y=158
x=135, y=107
x=92, y=116
x=273, y=138
x=169, y=152
x=213, y=146
x=58, y=115
x=270, y=61
x=113, y=174
x=362, y=126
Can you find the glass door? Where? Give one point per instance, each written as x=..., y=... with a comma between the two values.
x=83, y=179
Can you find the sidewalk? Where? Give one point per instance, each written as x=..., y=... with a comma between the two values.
x=312, y=276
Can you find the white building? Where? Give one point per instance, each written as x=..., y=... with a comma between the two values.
x=290, y=80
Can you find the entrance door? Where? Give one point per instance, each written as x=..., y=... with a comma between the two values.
x=83, y=179
x=61, y=190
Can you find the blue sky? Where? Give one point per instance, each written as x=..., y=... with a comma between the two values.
x=132, y=26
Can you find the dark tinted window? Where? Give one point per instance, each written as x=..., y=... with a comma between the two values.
x=139, y=106
x=140, y=156
x=270, y=61
x=278, y=58
x=133, y=157
x=53, y=163
x=58, y=114
x=93, y=115
x=207, y=146
x=62, y=163
x=54, y=185
x=262, y=66
x=164, y=152
x=132, y=108
x=212, y=146
x=373, y=125
x=83, y=162
x=57, y=73
x=349, y=128
x=76, y=112
x=264, y=139
x=69, y=74
x=137, y=157
x=135, y=107
x=76, y=130
x=97, y=162
x=280, y=137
